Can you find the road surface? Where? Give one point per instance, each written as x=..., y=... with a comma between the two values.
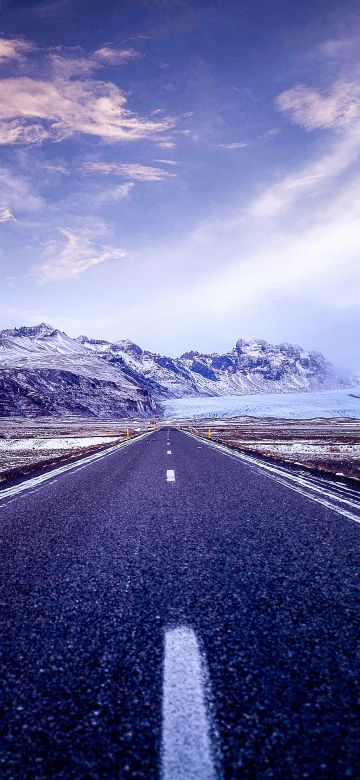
x=170, y=611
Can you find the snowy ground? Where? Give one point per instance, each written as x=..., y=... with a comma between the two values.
x=330, y=403
x=330, y=444
x=50, y=444
x=28, y=444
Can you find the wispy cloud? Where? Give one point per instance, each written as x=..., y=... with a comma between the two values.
x=271, y=133
x=14, y=49
x=311, y=178
x=263, y=273
x=73, y=254
x=166, y=143
x=128, y=170
x=168, y=162
x=310, y=109
x=112, y=56
x=57, y=167
x=51, y=8
x=277, y=199
x=115, y=194
x=65, y=67
x=237, y=145
x=68, y=66
x=310, y=262
x=17, y=194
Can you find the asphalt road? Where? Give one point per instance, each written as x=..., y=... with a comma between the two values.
x=248, y=586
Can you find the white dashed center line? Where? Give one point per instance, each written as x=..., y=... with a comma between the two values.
x=170, y=475
x=186, y=743
x=168, y=452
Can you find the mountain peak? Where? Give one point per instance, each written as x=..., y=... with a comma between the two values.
x=30, y=330
x=129, y=346
x=253, y=342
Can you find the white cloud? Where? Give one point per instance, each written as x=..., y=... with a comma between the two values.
x=168, y=162
x=187, y=133
x=111, y=56
x=128, y=170
x=6, y=215
x=13, y=49
x=68, y=67
x=165, y=143
x=73, y=254
x=309, y=109
x=18, y=132
x=238, y=145
x=34, y=110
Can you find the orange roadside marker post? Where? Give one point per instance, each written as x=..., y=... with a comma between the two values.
x=209, y=434
x=127, y=433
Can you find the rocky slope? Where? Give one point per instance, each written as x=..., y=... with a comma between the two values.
x=45, y=372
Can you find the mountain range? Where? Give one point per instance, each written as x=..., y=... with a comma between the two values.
x=45, y=372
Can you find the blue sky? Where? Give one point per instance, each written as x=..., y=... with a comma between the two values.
x=182, y=173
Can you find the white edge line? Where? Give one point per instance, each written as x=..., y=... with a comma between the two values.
x=27, y=484
x=276, y=473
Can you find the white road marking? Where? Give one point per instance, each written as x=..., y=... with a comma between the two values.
x=170, y=475
x=168, y=452
x=296, y=482
x=29, y=484
x=186, y=730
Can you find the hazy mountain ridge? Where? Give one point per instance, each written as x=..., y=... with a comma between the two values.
x=44, y=371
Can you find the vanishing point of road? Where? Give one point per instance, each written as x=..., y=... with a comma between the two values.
x=169, y=612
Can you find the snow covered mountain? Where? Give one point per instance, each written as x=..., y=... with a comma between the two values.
x=253, y=366
x=44, y=371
